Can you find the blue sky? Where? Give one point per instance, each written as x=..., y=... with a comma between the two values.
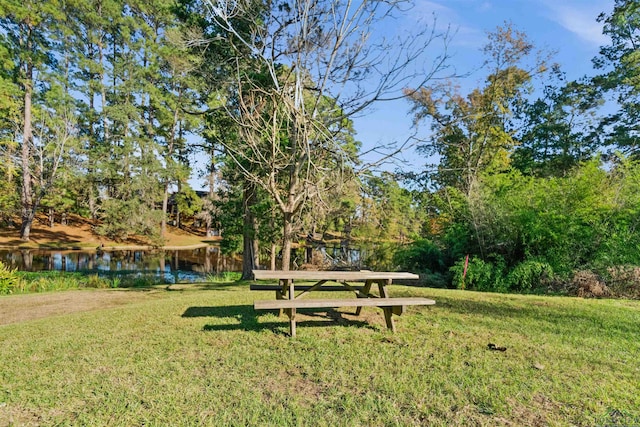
x=567, y=27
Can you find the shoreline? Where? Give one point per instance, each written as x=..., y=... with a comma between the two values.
x=112, y=248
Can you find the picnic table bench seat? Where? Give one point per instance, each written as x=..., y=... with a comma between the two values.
x=390, y=306
x=274, y=287
x=340, y=302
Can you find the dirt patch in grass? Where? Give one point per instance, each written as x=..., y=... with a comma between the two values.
x=12, y=415
x=20, y=308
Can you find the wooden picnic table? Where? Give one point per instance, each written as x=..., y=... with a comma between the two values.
x=287, y=300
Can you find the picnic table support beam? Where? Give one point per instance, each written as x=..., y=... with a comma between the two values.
x=313, y=288
x=292, y=311
x=388, y=311
x=365, y=291
x=282, y=294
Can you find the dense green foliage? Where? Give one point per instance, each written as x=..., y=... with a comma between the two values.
x=8, y=279
x=533, y=194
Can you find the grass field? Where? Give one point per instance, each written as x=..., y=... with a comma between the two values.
x=203, y=356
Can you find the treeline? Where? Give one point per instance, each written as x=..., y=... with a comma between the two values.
x=98, y=99
x=108, y=107
x=105, y=105
x=536, y=192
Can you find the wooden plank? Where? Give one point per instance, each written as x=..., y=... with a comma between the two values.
x=258, y=287
x=353, y=276
x=292, y=310
x=398, y=310
x=312, y=288
x=338, y=302
x=388, y=314
x=366, y=291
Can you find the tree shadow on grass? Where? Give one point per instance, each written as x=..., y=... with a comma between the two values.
x=546, y=313
x=248, y=319
x=205, y=286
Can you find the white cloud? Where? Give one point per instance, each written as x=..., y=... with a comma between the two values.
x=580, y=18
x=447, y=17
x=426, y=6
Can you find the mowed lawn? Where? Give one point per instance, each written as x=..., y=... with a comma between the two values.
x=203, y=356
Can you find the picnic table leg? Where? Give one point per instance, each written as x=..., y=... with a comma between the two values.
x=365, y=290
x=292, y=311
x=388, y=311
x=281, y=294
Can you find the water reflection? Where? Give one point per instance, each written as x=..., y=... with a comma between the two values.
x=177, y=265
x=194, y=264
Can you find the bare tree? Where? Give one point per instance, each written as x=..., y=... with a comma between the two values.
x=315, y=65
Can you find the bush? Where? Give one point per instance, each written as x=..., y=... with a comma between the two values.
x=223, y=277
x=46, y=281
x=480, y=275
x=420, y=256
x=493, y=276
x=9, y=281
x=122, y=220
x=528, y=276
x=587, y=284
x=139, y=281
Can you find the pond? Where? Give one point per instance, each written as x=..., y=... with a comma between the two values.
x=190, y=265
x=174, y=266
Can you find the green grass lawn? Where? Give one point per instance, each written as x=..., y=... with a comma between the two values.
x=205, y=357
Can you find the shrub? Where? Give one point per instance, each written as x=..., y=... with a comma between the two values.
x=46, y=281
x=140, y=281
x=95, y=281
x=123, y=219
x=529, y=275
x=480, y=275
x=420, y=256
x=9, y=281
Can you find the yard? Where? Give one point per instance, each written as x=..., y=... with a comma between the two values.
x=201, y=355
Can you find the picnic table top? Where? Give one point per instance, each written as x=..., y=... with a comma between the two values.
x=356, y=276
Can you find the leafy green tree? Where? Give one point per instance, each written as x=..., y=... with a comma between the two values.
x=10, y=113
x=584, y=220
x=169, y=90
x=472, y=134
x=621, y=61
x=31, y=36
x=559, y=130
x=93, y=25
x=388, y=212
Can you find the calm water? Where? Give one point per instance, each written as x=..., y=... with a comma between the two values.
x=175, y=266
x=182, y=265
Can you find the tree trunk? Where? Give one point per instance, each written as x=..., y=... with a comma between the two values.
x=165, y=204
x=177, y=208
x=273, y=256
x=250, y=250
x=287, y=240
x=172, y=140
x=27, y=136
